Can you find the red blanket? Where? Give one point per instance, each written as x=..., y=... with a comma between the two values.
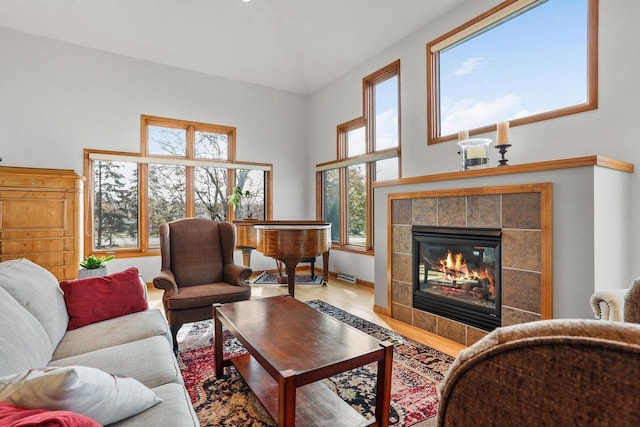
x=15, y=416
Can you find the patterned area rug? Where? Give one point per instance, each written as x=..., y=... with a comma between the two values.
x=301, y=279
x=417, y=370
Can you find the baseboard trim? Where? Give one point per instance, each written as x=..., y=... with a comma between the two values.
x=381, y=310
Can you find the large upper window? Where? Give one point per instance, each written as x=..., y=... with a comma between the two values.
x=368, y=151
x=184, y=169
x=523, y=61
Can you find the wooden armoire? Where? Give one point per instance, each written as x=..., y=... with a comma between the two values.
x=40, y=218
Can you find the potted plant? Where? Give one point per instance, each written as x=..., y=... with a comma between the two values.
x=235, y=199
x=94, y=266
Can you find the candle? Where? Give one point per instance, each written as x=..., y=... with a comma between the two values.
x=463, y=135
x=503, y=133
x=476, y=152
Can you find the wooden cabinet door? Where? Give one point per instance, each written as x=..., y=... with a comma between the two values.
x=39, y=218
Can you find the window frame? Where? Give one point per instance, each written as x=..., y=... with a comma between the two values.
x=480, y=23
x=142, y=159
x=367, y=120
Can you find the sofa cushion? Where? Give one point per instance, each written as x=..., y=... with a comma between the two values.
x=150, y=361
x=176, y=410
x=120, y=330
x=37, y=290
x=24, y=343
x=94, y=299
x=103, y=397
x=16, y=416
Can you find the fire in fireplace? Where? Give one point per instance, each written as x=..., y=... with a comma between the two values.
x=457, y=274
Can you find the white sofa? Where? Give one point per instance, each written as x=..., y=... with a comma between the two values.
x=138, y=345
x=619, y=305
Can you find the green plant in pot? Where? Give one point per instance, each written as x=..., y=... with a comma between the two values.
x=94, y=266
x=236, y=197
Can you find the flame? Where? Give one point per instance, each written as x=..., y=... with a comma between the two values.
x=484, y=274
x=454, y=267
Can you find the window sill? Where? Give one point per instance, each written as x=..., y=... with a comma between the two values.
x=353, y=249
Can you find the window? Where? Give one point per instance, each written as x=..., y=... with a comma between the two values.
x=184, y=169
x=357, y=205
x=368, y=151
x=115, y=219
x=331, y=201
x=523, y=61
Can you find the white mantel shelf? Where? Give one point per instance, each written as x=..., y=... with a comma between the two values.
x=574, y=162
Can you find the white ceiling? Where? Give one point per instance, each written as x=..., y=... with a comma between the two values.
x=293, y=45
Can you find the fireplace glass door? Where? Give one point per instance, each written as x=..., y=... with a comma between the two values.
x=457, y=274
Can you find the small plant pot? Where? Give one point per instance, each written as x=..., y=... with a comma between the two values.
x=92, y=272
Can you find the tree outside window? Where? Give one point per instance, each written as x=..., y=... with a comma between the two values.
x=116, y=205
x=184, y=169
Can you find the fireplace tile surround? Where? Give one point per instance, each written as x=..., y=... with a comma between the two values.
x=518, y=214
x=581, y=249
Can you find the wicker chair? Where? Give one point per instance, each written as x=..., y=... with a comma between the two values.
x=618, y=304
x=546, y=373
x=198, y=270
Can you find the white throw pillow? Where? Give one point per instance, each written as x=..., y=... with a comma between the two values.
x=103, y=397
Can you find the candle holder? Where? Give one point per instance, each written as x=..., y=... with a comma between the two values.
x=475, y=154
x=502, y=148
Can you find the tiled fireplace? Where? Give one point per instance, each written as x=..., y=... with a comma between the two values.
x=520, y=215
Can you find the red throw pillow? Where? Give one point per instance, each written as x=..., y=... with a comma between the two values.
x=16, y=416
x=94, y=299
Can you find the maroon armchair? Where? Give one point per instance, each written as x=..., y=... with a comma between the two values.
x=198, y=270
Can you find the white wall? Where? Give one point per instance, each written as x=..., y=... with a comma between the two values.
x=57, y=99
x=611, y=130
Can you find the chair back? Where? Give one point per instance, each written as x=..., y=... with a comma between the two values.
x=196, y=250
x=555, y=372
x=632, y=303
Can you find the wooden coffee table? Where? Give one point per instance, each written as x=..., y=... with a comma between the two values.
x=291, y=348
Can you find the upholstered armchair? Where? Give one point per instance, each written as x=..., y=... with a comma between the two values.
x=198, y=270
x=561, y=372
x=618, y=304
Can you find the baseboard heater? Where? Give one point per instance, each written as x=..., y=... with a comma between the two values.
x=346, y=277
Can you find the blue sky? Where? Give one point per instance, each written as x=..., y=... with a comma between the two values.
x=386, y=104
x=533, y=63
x=387, y=114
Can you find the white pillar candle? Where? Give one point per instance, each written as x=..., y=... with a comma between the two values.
x=463, y=135
x=503, y=133
x=476, y=152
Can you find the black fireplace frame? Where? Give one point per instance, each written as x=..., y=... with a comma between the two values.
x=484, y=318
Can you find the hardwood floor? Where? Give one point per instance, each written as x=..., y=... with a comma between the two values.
x=355, y=299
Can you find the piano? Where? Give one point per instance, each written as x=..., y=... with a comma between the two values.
x=288, y=241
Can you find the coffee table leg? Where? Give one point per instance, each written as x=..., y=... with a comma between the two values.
x=217, y=342
x=383, y=386
x=287, y=400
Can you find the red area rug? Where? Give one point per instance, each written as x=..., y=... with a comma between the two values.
x=417, y=370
